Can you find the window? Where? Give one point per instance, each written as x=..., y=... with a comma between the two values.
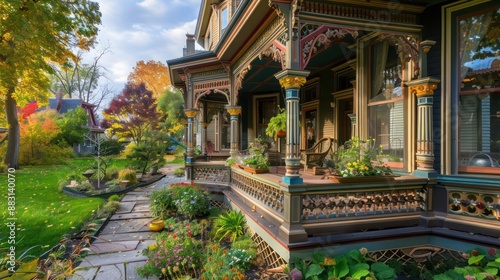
x=266, y=108
x=226, y=130
x=385, y=103
x=223, y=18
x=478, y=71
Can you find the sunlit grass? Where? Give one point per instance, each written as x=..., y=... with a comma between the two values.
x=44, y=215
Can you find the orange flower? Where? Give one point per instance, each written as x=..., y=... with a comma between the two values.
x=224, y=277
x=214, y=246
x=224, y=252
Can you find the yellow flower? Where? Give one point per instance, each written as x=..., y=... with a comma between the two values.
x=328, y=261
x=152, y=246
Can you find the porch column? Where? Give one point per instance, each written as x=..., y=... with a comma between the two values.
x=291, y=81
x=190, y=114
x=234, y=111
x=424, y=90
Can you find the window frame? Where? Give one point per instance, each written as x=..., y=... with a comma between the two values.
x=451, y=88
x=367, y=97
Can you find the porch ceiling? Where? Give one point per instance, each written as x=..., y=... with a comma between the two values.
x=260, y=78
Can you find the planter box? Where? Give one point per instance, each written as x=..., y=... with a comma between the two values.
x=256, y=171
x=363, y=179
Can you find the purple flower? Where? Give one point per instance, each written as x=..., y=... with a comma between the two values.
x=492, y=251
x=295, y=274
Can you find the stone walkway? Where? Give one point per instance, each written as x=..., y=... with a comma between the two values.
x=116, y=253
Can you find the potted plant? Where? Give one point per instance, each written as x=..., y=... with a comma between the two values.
x=276, y=127
x=257, y=161
x=356, y=160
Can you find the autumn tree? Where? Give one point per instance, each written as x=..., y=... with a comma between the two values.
x=153, y=74
x=34, y=33
x=37, y=134
x=171, y=106
x=131, y=113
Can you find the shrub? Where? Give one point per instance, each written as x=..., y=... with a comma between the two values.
x=128, y=174
x=190, y=199
x=113, y=172
x=85, y=187
x=185, y=199
x=62, y=184
x=179, y=172
x=354, y=265
x=115, y=197
x=110, y=207
x=161, y=203
x=238, y=258
x=246, y=243
x=231, y=224
x=217, y=263
x=111, y=147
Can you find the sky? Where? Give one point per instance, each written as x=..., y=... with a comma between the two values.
x=135, y=30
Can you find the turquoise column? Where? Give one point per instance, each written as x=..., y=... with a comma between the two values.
x=234, y=112
x=190, y=114
x=291, y=81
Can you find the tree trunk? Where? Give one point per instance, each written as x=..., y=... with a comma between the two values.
x=12, y=155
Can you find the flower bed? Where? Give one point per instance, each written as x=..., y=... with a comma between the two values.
x=198, y=242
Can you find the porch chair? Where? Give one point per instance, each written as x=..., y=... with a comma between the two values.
x=315, y=155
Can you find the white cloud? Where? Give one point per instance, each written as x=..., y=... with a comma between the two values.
x=156, y=7
x=143, y=30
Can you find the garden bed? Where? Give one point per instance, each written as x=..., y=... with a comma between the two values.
x=105, y=194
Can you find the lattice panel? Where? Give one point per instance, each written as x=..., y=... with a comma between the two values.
x=269, y=256
x=474, y=204
x=219, y=204
x=351, y=204
x=265, y=193
x=416, y=254
x=211, y=174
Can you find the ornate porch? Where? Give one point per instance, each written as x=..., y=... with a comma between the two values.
x=295, y=220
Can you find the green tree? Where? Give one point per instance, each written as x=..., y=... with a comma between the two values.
x=72, y=125
x=171, y=106
x=34, y=34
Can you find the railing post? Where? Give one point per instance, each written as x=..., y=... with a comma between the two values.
x=291, y=230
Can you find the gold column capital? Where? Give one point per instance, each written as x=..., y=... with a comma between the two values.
x=191, y=113
x=423, y=87
x=233, y=110
x=292, y=82
x=289, y=78
x=204, y=124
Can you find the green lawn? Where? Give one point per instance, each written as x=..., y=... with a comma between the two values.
x=44, y=214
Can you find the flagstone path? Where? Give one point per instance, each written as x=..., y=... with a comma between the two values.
x=116, y=251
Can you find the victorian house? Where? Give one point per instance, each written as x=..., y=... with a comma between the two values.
x=421, y=77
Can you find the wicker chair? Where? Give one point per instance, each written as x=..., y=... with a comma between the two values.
x=315, y=155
